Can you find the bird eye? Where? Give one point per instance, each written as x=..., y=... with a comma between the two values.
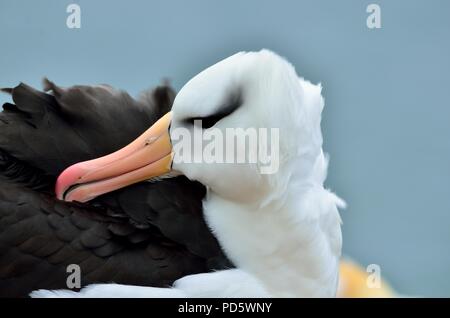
x=206, y=122
x=233, y=103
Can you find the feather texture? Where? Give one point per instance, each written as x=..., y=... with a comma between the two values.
x=147, y=234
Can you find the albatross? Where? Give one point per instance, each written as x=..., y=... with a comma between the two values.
x=281, y=230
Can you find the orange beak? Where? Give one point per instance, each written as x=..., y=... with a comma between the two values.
x=150, y=155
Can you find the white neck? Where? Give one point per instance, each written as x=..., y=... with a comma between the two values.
x=293, y=249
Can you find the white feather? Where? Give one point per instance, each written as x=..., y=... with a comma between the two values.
x=282, y=231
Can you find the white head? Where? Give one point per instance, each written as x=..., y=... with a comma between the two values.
x=252, y=90
x=247, y=90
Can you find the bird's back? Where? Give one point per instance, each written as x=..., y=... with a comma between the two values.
x=147, y=234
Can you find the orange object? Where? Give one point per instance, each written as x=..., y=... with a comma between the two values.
x=353, y=283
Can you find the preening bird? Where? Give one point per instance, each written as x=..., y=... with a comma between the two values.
x=148, y=234
x=281, y=230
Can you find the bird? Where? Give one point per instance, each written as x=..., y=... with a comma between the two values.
x=281, y=229
x=148, y=234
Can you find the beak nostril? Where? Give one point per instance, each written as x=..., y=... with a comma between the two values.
x=150, y=140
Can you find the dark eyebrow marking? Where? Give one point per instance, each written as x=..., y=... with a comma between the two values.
x=233, y=102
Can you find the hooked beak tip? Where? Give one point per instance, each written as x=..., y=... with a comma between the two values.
x=148, y=156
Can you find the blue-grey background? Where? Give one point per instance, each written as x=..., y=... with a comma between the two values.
x=387, y=117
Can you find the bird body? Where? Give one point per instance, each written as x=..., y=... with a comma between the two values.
x=281, y=229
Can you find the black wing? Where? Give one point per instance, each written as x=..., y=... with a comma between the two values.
x=146, y=234
x=74, y=124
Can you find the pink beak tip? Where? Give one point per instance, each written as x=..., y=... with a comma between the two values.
x=68, y=177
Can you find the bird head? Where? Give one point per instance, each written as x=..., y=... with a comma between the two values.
x=244, y=127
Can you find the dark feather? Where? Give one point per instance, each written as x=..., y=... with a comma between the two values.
x=146, y=234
